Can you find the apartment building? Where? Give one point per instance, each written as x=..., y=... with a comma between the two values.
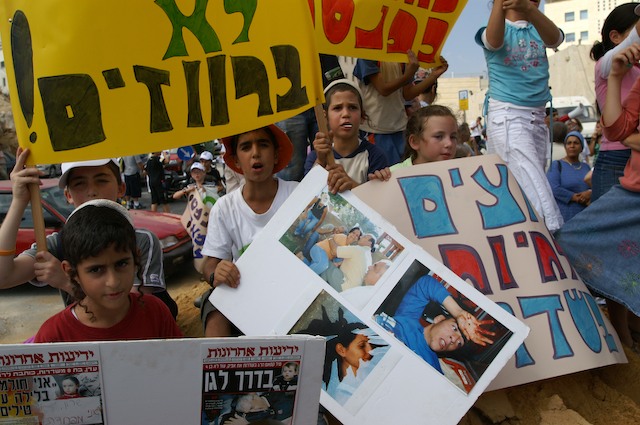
x=581, y=20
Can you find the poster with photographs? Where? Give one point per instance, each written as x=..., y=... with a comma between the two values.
x=328, y=265
x=46, y=385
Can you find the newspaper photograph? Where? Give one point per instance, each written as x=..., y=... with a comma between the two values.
x=47, y=385
x=250, y=383
x=341, y=244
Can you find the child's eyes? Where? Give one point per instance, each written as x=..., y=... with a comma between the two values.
x=122, y=263
x=96, y=269
x=77, y=184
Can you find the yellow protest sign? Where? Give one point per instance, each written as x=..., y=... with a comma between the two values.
x=111, y=78
x=385, y=29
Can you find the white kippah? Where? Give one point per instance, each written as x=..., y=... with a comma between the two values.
x=105, y=203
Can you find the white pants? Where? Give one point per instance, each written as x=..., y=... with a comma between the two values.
x=521, y=138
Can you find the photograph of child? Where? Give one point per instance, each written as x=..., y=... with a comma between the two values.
x=341, y=245
x=288, y=380
x=352, y=350
x=76, y=386
x=442, y=326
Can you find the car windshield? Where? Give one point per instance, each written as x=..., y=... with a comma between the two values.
x=53, y=196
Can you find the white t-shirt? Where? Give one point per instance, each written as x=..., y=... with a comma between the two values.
x=233, y=224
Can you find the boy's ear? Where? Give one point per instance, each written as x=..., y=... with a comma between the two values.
x=122, y=188
x=341, y=350
x=68, y=197
x=439, y=318
x=66, y=265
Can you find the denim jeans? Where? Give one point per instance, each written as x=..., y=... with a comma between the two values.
x=301, y=129
x=306, y=225
x=319, y=260
x=607, y=171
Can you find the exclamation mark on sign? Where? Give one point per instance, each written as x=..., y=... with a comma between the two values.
x=22, y=52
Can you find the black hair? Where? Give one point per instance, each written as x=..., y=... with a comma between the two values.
x=417, y=122
x=88, y=232
x=353, y=229
x=236, y=137
x=620, y=19
x=338, y=332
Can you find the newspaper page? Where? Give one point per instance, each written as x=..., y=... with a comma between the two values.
x=251, y=381
x=51, y=385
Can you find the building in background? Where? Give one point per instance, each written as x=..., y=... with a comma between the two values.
x=581, y=20
x=4, y=86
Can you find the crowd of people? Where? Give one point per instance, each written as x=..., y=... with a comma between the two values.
x=385, y=119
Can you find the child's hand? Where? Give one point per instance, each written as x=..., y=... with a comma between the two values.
x=226, y=273
x=323, y=147
x=21, y=176
x=439, y=70
x=339, y=180
x=623, y=61
x=412, y=66
x=48, y=269
x=384, y=174
x=522, y=6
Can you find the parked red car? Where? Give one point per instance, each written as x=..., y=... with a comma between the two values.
x=176, y=243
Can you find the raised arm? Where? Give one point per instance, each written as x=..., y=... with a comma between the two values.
x=410, y=90
x=385, y=88
x=549, y=32
x=613, y=109
x=18, y=270
x=495, y=27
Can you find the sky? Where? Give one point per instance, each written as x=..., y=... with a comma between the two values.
x=465, y=57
